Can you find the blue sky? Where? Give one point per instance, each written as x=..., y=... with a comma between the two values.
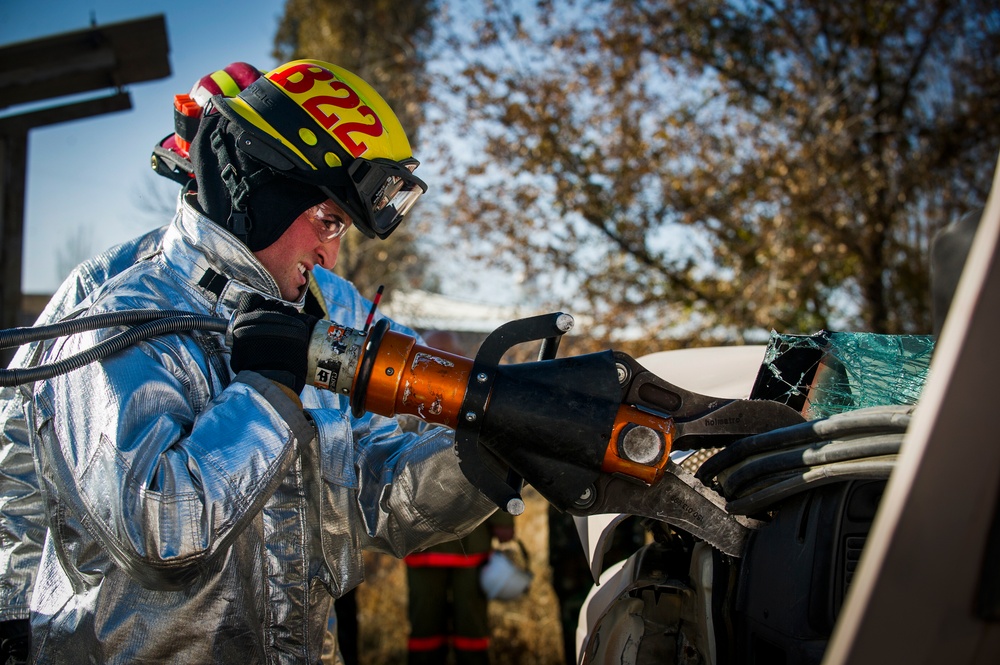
x=93, y=174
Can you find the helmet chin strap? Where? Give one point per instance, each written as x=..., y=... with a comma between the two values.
x=239, y=222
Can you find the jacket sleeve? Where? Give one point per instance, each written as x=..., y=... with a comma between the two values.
x=159, y=474
x=408, y=489
x=22, y=513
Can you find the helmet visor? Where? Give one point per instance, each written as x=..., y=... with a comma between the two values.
x=387, y=190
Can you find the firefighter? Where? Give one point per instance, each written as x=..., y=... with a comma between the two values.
x=447, y=607
x=204, y=505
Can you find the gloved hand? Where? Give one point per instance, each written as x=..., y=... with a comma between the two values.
x=271, y=339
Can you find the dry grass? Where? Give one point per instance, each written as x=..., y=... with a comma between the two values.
x=525, y=631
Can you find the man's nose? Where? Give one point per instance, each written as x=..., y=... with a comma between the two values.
x=328, y=253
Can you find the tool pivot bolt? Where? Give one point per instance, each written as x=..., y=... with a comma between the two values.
x=587, y=498
x=642, y=444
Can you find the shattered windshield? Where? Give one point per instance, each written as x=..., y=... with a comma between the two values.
x=832, y=372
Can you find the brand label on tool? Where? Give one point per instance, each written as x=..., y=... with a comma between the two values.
x=718, y=422
x=327, y=375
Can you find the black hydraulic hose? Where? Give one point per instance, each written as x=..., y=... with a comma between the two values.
x=737, y=478
x=112, y=345
x=872, y=420
x=19, y=336
x=879, y=468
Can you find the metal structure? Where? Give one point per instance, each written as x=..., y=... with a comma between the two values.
x=927, y=589
x=98, y=58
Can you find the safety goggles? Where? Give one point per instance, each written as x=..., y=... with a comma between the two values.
x=329, y=222
x=386, y=191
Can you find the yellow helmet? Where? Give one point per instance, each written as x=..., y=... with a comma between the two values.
x=321, y=124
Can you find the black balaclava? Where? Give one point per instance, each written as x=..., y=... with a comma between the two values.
x=273, y=201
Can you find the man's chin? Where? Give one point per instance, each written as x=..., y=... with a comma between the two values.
x=293, y=292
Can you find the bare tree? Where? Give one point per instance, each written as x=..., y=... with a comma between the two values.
x=155, y=199
x=76, y=248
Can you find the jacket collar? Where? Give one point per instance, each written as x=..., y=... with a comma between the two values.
x=194, y=245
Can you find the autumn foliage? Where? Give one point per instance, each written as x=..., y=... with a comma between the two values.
x=701, y=172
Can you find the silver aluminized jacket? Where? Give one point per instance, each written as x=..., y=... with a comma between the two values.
x=198, y=517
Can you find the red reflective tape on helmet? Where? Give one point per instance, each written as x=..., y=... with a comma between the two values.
x=243, y=74
x=470, y=643
x=432, y=643
x=446, y=560
x=228, y=82
x=227, y=86
x=204, y=89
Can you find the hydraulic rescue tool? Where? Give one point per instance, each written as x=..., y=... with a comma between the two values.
x=592, y=433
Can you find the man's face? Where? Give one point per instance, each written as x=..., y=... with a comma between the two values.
x=312, y=239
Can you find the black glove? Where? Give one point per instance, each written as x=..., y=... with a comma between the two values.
x=15, y=641
x=271, y=339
